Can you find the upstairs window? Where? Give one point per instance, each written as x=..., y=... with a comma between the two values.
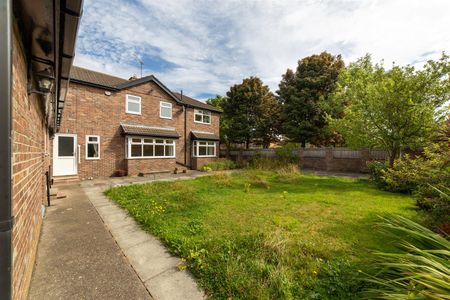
x=133, y=105
x=204, y=149
x=202, y=116
x=92, y=147
x=165, y=110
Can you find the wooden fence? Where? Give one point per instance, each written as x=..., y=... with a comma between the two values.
x=326, y=159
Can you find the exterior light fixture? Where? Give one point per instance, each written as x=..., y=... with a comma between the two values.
x=45, y=80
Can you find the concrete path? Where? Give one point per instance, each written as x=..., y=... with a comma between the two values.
x=78, y=259
x=156, y=268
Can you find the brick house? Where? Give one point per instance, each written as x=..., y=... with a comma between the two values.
x=36, y=52
x=113, y=126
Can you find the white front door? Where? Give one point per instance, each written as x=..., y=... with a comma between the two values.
x=65, y=154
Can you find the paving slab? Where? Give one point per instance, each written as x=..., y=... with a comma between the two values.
x=151, y=260
x=78, y=258
x=172, y=285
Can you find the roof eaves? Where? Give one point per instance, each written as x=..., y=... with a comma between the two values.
x=148, y=79
x=211, y=108
x=88, y=83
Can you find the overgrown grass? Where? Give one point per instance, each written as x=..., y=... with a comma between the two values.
x=260, y=234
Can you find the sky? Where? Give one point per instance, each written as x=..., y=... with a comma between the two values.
x=204, y=47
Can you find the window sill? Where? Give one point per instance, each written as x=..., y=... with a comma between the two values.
x=161, y=117
x=205, y=156
x=152, y=157
x=92, y=158
x=133, y=113
x=198, y=122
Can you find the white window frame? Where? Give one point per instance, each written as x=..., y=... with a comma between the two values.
x=196, y=145
x=168, y=142
x=202, y=113
x=138, y=101
x=165, y=105
x=89, y=142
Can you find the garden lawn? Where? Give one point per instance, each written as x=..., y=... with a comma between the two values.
x=268, y=235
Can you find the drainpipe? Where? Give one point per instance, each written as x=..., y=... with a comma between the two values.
x=185, y=138
x=6, y=219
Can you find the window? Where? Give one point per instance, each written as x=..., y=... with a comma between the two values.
x=204, y=149
x=65, y=146
x=150, y=148
x=202, y=116
x=165, y=110
x=133, y=105
x=92, y=147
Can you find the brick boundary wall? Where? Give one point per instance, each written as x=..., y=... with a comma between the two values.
x=322, y=159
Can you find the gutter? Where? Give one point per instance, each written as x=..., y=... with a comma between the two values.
x=6, y=218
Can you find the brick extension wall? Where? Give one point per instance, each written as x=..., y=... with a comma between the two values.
x=29, y=163
x=199, y=162
x=88, y=111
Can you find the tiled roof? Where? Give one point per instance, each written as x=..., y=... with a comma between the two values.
x=82, y=75
x=135, y=129
x=85, y=75
x=196, y=103
x=197, y=135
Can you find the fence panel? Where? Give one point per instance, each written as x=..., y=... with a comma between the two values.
x=314, y=153
x=346, y=153
x=378, y=154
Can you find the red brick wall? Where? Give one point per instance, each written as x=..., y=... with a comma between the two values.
x=30, y=161
x=88, y=111
x=199, y=162
x=214, y=127
x=136, y=166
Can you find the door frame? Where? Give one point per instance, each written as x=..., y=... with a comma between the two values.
x=75, y=151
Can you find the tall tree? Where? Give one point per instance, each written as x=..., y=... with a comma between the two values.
x=392, y=108
x=251, y=110
x=305, y=94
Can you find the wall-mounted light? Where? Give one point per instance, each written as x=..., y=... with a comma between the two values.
x=45, y=82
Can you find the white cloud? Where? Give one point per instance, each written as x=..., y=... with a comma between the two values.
x=206, y=46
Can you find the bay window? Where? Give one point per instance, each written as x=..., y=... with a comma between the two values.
x=204, y=149
x=150, y=148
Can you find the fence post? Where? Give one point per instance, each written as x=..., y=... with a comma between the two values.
x=301, y=155
x=365, y=157
x=328, y=158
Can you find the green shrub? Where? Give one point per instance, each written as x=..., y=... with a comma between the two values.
x=419, y=268
x=267, y=163
x=288, y=153
x=376, y=171
x=423, y=176
x=206, y=168
x=410, y=173
x=221, y=164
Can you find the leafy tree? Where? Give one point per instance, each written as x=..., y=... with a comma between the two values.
x=252, y=112
x=392, y=109
x=268, y=121
x=305, y=95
